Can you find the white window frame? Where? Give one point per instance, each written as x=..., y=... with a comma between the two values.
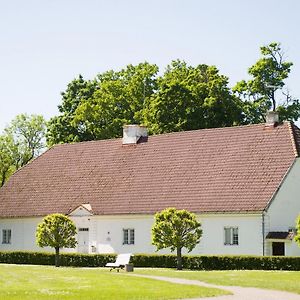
x=231, y=236
x=128, y=236
x=6, y=236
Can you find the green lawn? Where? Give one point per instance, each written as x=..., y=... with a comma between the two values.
x=279, y=280
x=45, y=282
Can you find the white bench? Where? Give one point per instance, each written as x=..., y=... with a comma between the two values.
x=121, y=261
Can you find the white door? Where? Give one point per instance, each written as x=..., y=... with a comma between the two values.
x=83, y=240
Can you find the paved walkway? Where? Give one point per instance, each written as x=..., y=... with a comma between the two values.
x=239, y=293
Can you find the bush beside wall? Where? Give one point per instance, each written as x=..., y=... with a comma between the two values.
x=219, y=262
x=66, y=259
x=27, y=258
x=157, y=261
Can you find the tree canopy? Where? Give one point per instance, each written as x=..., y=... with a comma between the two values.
x=28, y=135
x=267, y=89
x=56, y=231
x=99, y=108
x=176, y=229
x=182, y=98
x=23, y=139
x=190, y=98
x=7, y=150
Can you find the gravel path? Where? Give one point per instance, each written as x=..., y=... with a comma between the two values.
x=239, y=293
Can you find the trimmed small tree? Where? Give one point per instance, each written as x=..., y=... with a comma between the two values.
x=56, y=231
x=176, y=229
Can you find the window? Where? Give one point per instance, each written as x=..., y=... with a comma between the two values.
x=6, y=236
x=83, y=229
x=231, y=236
x=128, y=236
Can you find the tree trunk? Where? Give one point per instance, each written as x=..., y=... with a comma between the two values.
x=4, y=173
x=179, y=259
x=3, y=179
x=56, y=256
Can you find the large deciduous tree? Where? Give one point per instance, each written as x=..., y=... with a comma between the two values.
x=183, y=98
x=56, y=231
x=98, y=109
x=23, y=139
x=190, y=98
x=7, y=150
x=28, y=135
x=176, y=229
x=267, y=89
x=62, y=128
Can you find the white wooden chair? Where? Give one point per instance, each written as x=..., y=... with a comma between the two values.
x=121, y=261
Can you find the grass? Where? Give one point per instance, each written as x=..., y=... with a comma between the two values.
x=45, y=282
x=279, y=280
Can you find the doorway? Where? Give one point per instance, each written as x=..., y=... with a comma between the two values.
x=278, y=249
x=83, y=240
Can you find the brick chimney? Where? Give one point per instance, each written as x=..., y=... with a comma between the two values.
x=132, y=133
x=272, y=119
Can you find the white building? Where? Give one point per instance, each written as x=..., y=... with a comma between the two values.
x=243, y=183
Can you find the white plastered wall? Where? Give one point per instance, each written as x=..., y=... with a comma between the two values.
x=22, y=233
x=250, y=234
x=106, y=233
x=284, y=209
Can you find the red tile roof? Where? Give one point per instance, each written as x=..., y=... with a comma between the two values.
x=235, y=169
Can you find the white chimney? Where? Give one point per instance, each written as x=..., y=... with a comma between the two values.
x=272, y=118
x=132, y=133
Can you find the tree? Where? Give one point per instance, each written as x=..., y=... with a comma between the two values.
x=266, y=90
x=98, y=109
x=28, y=135
x=61, y=128
x=183, y=98
x=176, y=229
x=56, y=231
x=189, y=98
x=22, y=140
x=7, y=151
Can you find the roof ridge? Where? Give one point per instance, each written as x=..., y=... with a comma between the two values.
x=164, y=134
x=209, y=129
x=86, y=142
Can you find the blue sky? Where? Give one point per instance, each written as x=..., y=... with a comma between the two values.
x=45, y=44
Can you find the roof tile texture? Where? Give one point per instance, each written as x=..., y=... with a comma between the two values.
x=235, y=169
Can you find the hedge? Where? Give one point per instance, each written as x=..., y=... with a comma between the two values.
x=219, y=262
x=66, y=259
x=199, y=262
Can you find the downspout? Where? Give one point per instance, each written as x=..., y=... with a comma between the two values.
x=263, y=232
